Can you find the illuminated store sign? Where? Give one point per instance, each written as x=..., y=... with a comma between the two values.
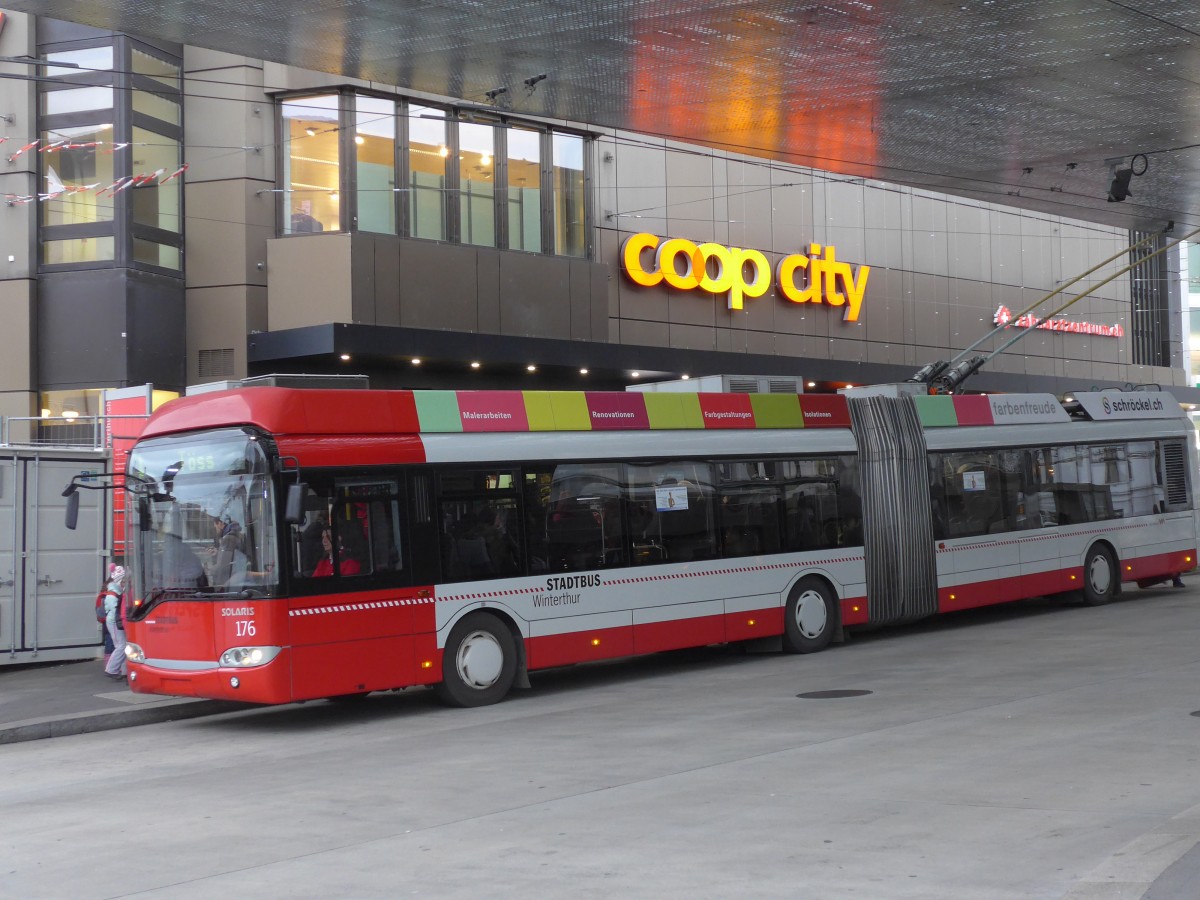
x=817, y=277
x=1004, y=316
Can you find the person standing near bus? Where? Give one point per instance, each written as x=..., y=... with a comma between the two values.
x=115, y=668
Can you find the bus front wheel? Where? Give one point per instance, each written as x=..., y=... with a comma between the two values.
x=1100, y=576
x=479, y=662
x=810, y=616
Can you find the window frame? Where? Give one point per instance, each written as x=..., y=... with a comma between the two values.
x=120, y=226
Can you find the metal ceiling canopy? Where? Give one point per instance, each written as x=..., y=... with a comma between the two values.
x=1020, y=102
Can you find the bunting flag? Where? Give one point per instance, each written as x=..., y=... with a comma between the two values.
x=55, y=187
x=28, y=146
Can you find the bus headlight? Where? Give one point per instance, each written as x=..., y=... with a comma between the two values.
x=246, y=657
x=134, y=653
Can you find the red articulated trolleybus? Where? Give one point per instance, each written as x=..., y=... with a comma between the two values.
x=290, y=544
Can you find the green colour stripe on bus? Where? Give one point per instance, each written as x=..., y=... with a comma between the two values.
x=438, y=410
x=539, y=409
x=936, y=412
x=777, y=411
x=674, y=410
x=570, y=411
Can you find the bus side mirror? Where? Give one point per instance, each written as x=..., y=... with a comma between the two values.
x=293, y=510
x=72, y=507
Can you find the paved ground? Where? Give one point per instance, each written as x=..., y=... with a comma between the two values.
x=58, y=699
x=1033, y=751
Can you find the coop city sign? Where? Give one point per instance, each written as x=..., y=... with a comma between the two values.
x=815, y=277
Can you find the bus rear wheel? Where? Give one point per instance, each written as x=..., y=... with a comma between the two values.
x=1099, y=576
x=479, y=663
x=810, y=616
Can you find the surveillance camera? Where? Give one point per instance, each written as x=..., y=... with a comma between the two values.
x=495, y=92
x=530, y=82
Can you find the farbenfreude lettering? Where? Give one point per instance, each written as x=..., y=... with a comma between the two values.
x=596, y=414
x=1024, y=408
x=487, y=415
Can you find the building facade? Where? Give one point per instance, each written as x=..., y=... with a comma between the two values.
x=177, y=216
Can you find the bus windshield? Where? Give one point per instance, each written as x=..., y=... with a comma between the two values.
x=202, y=522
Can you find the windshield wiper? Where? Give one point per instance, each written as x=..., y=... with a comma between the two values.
x=158, y=593
x=246, y=593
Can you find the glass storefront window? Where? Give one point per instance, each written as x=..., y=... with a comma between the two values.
x=71, y=404
x=524, y=190
x=90, y=249
x=80, y=172
x=311, y=160
x=157, y=106
x=154, y=254
x=155, y=204
x=569, y=221
x=81, y=61
x=427, y=157
x=542, y=189
x=71, y=100
x=375, y=158
x=153, y=67
x=476, y=183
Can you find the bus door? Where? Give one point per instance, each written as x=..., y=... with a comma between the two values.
x=1037, y=514
x=980, y=508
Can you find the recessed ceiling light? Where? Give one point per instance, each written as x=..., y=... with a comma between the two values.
x=359, y=139
x=345, y=357
x=416, y=361
x=635, y=374
x=474, y=365
x=685, y=377
x=531, y=368
x=812, y=384
x=583, y=371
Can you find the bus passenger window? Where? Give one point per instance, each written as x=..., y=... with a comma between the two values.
x=369, y=524
x=752, y=508
x=573, y=517
x=306, y=536
x=680, y=497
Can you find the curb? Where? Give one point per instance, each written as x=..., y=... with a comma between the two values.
x=106, y=720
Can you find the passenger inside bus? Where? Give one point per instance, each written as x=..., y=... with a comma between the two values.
x=227, y=558
x=311, y=547
x=179, y=565
x=346, y=564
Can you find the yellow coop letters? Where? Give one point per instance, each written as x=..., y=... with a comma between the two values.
x=684, y=265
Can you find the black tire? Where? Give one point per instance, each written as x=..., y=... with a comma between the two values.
x=1101, y=577
x=810, y=617
x=479, y=663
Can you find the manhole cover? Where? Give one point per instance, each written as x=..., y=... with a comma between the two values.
x=836, y=695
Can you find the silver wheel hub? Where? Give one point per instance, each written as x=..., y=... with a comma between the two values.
x=479, y=660
x=1099, y=574
x=811, y=614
